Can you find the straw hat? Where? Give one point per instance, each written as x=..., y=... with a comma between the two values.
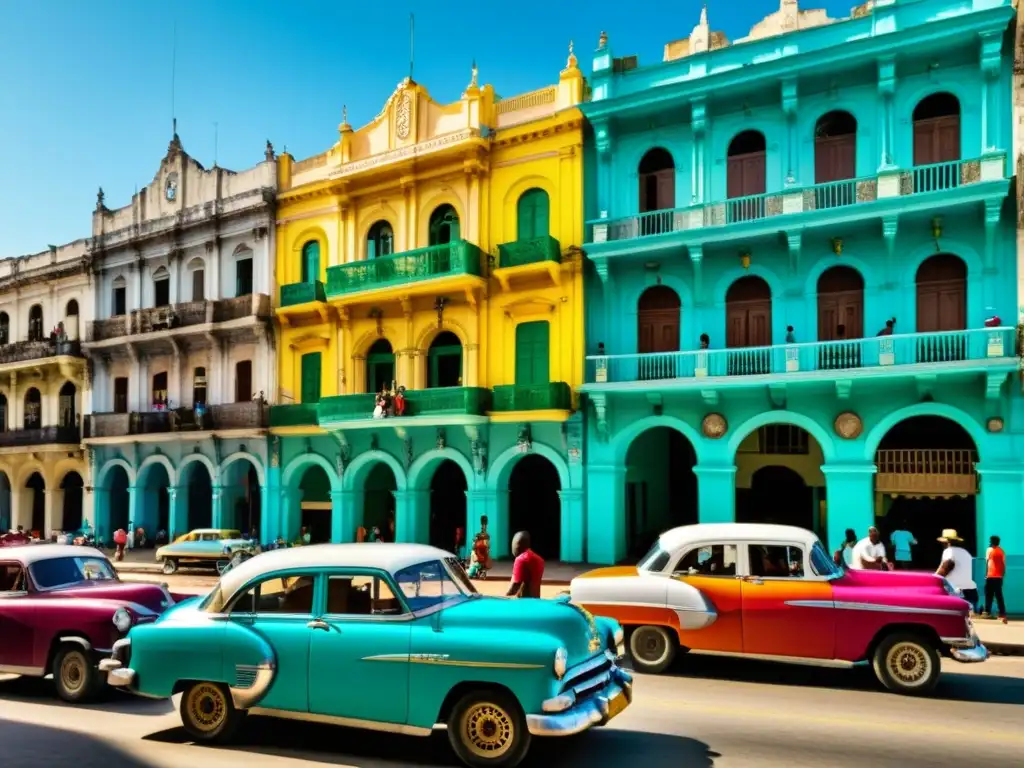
x=948, y=535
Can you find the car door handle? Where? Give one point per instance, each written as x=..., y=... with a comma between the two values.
x=753, y=580
x=319, y=624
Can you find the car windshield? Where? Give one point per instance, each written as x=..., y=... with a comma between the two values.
x=64, y=571
x=434, y=583
x=822, y=564
x=655, y=560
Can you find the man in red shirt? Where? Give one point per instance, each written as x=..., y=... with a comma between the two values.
x=996, y=561
x=528, y=569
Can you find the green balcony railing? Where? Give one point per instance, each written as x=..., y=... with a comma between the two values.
x=301, y=293
x=293, y=415
x=533, y=251
x=462, y=401
x=458, y=258
x=533, y=397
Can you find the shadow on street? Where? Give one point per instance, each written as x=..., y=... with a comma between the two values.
x=333, y=745
x=27, y=745
x=35, y=690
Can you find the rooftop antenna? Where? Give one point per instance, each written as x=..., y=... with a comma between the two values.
x=412, y=29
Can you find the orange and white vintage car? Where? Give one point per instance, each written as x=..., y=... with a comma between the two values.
x=773, y=592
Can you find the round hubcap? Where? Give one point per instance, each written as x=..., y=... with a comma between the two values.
x=489, y=730
x=649, y=645
x=207, y=706
x=909, y=664
x=72, y=672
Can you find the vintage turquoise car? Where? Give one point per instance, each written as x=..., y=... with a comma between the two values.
x=203, y=547
x=389, y=637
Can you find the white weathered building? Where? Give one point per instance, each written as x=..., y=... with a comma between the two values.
x=181, y=348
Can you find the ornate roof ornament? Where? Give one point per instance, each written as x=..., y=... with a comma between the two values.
x=602, y=41
x=268, y=153
x=571, y=62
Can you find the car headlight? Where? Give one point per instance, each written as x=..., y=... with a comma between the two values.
x=122, y=619
x=620, y=636
x=561, y=662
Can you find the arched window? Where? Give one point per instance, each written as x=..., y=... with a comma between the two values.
x=5, y=328
x=657, y=173
x=533, y=215
x=243, y=271
x=658, y=318
x=937, y=130
x=748, y=323
x=33, y=409
x=67, y=415
x=444, y=361
x=161, y=287
x=444, y=225
x=380, y=241
x=71, y=310
x=311, y=262
x=119, y=297
x=35, y=323
x=198, y=385
x=745, y=176
x=380, y=366
x=196, y=268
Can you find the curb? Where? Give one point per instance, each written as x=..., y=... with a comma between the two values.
x=1004, y=649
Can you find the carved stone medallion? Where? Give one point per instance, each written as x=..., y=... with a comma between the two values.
x=714, y=426
x=848, y=425
x=995, y=424
x=403, y=116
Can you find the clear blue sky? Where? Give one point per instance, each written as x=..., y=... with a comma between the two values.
x=85, y=85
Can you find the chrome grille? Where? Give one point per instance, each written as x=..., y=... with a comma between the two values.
x=589, y=677
x=245, y=676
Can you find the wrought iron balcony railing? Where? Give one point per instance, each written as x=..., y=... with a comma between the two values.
x=556, y=395
x=468, y=401
x=14, y=438
x=458, y=258
x=534, y=251
x=301, y=293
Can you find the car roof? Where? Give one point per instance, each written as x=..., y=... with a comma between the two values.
x=679, y=537
x=386, y=557
x=34, y=553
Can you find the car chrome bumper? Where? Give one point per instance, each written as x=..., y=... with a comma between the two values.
x=594, y=711
x=117, y=676
x=968, y=650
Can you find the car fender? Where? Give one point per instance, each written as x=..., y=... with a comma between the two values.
x=249, y=664
x=645, y=599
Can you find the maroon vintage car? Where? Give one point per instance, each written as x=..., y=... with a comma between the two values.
x=61, y=610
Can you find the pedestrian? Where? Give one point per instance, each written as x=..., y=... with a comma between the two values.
x=902, y=540
x=869, y=553
x=527, y=570
x=790, y=335
x=844, y=555
x=120, y=539
x=995, y=560
x=956, y=565
x=131, y=535
x=889, y=327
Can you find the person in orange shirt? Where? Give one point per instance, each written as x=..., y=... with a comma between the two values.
x=995, y=557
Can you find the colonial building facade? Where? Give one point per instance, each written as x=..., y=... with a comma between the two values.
x=181, y=349
x=804, y=285
x=430, y=313
x=45, y=301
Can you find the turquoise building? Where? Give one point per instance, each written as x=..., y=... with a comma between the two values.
x=802, y=305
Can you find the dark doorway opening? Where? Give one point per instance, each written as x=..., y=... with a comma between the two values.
x=200, y=497
x=777, y=495
x=661, y=488
x=37, y=493
x=71, y=514
x=379, y=501
x=448, y=506
x=534, y=504
x=315, y=495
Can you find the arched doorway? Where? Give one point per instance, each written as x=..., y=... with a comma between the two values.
x=926, y=481
x=661, y=488
x=380, y=241
x=199, y=495
x=533, y=215
x=153, y=504
x=779, y=478
x=444, y=361
x=748, y=326
x=67, y=415
x=379, y=500
x=659, y=315
x=746, y=177
x=941, y=307
x=35, y=488
x=840, y=317
x=835, y=159
x=534, y=504
x=315, y=501
x=71, y=514
x=380, y=366
x=310, y=263
x=448, y=505
x=6, y=523
x=657, y=177
x=243, y=501
x=937, y=139
x=113, y=506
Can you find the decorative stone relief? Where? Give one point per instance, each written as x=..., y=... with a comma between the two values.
x=773, y=205
x=407, y=445
x=867, y=190
x=442, y=440
x=478, y=450
x=848, y=425
x=714, y=426
x=403, y=116
x=275, y=451
x=994, y=425
x=906, y=183
x=970, y=172
x=524, y=439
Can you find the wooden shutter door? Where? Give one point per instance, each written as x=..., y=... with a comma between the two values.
x=198, y=287
x=759, y=325
x=828, y=317
x=925, y=152
x=736, y=327
x=754, y=177
x=526, y=216
x=666, y=186
x=532, y=351
x=734, y=177
x=311, y=378
x=947, y=138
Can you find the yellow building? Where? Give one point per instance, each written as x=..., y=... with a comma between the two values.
x=429, y=264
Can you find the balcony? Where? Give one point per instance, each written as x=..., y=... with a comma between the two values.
x=428, y=404
x=293, y=415
x=555, y=396
x=111, y=328
x=881, y=356
x=107, y=425
x=188, y=314
x=25, y=351
x=932, y=472
x=837, y=202
x=241, y=307
x=253, y=414
x=295, y=294
x=17, y=438
x=527, y=258
x=458, y=259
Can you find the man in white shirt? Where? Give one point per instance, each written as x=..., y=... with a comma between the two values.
x=869, y=553
x=957, y=566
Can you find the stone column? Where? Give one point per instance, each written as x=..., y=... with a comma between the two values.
x=573, y=536
x=886, y=89
x=53, y=507
x=177, y=522
x=99, y=515
x=606, y=518
x=471, y=366
x=849, y=494
x=343, y=523
x=716, y=493
x=217, y=512
x=291, y=514
x=412, y=516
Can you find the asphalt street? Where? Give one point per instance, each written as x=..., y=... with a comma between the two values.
x=706, y=712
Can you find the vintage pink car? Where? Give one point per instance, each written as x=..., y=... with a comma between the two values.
x=61, y=610
x=773, y=592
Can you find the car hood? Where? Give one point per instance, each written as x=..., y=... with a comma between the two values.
x=574, y=628
x=153, y=597
x=918, y=580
